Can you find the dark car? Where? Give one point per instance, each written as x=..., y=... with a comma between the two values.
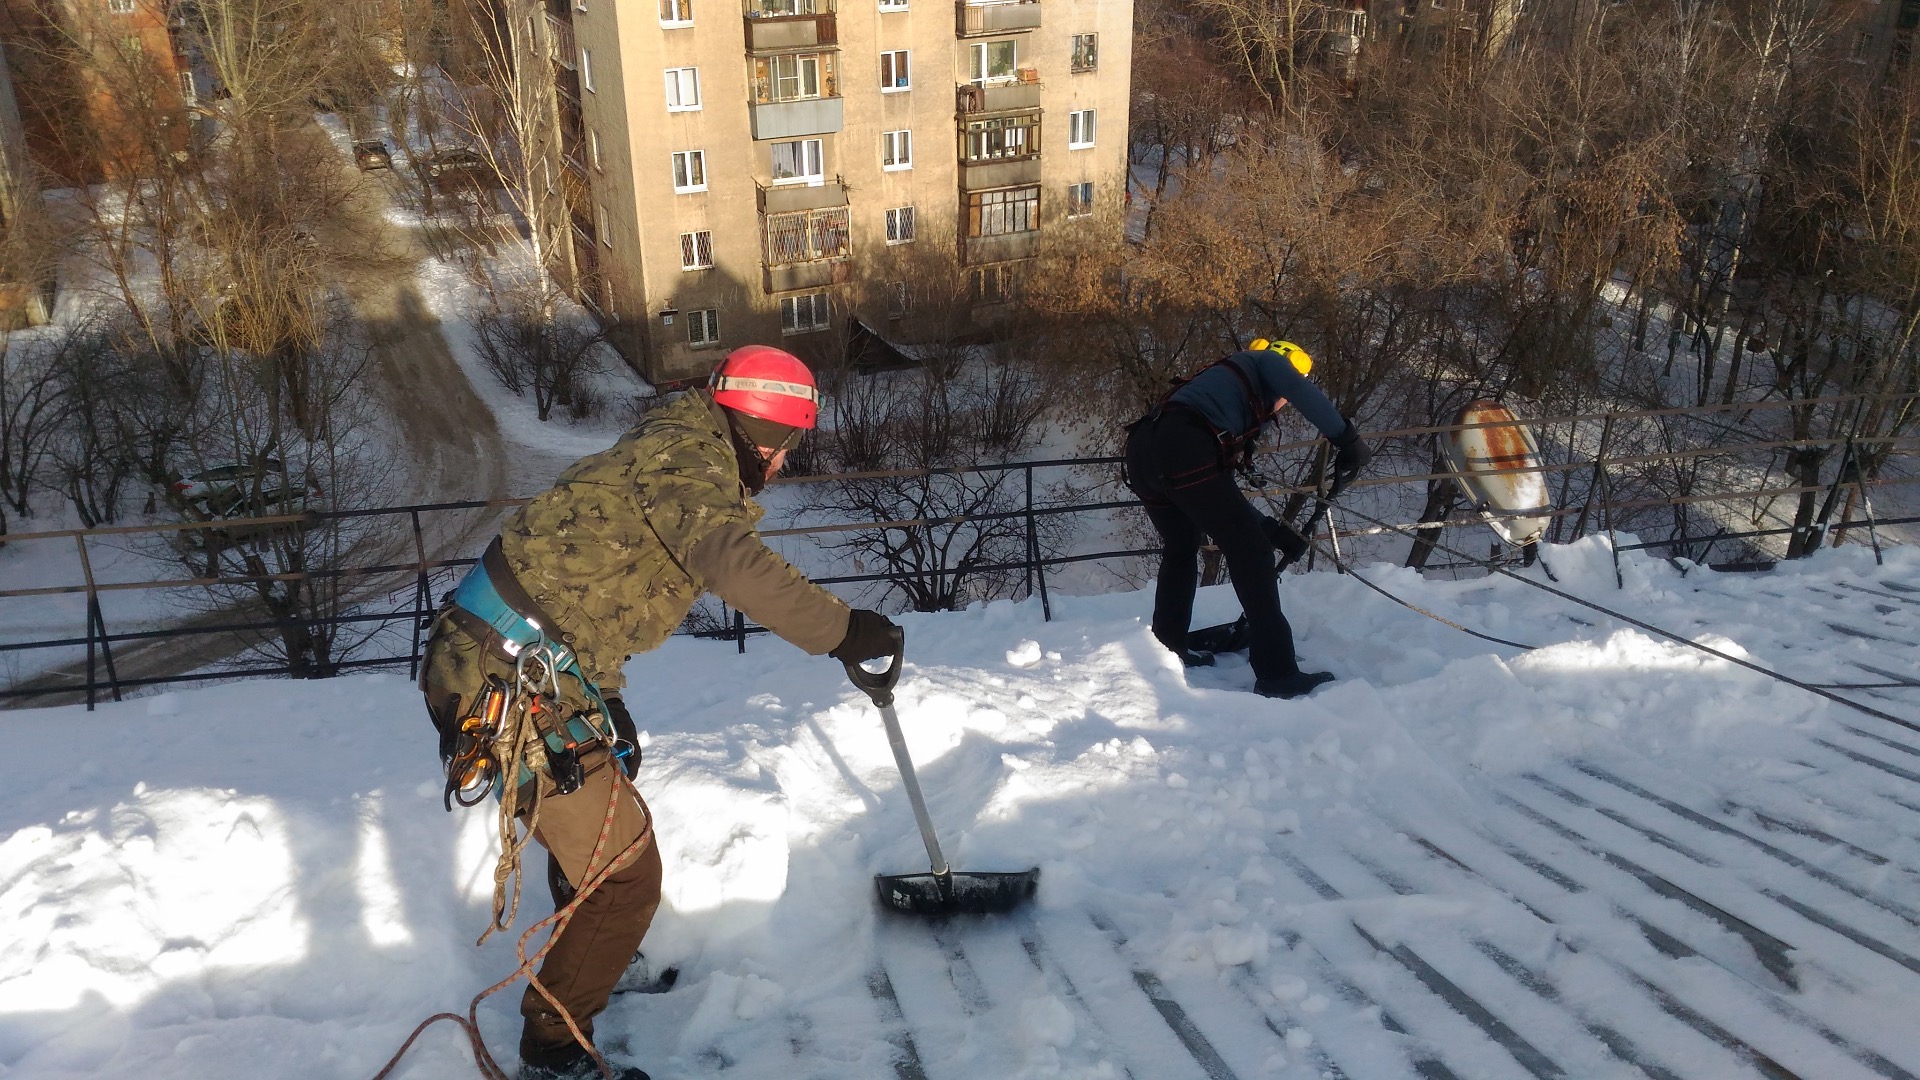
x=372, y=155
x=244, y=490
x=461, y=167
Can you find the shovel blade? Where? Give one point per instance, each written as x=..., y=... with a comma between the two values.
x=956, y=892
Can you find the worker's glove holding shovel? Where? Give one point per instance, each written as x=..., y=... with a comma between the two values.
x=1286, y=540
x=869, y=635
x=1352, y=455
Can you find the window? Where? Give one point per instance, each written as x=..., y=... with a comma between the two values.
x=990, y=284
x=785, y=7
x=1080, y=130
x=676, y=12
x=900, y=225
x=793, y=77
x=696, y=250
x=586, y=71
x=1003, y=137
x=593, y=149
x=1861, y=41
x=893, y=5
x=798, y=162
x=603, y=224
x=1086, y=52
x=898, y=303
x=188, y=95
x=689, y=171
x=807, y=236
x=1009, y=210
x=895, y=73
x=993, y=61
x=120, y=7
x=1080, y=199
x=683, y=89
x=896, y=150
x=800, y=314
x=703, y=326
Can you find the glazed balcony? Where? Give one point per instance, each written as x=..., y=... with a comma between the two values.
x=981, y=20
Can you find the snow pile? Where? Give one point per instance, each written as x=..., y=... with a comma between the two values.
x=258, y=880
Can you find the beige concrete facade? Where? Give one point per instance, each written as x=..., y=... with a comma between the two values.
x=832, y=60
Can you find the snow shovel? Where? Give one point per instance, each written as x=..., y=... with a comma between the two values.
x=943, y=891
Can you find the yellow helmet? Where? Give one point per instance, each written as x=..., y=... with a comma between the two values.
x=1295, y=355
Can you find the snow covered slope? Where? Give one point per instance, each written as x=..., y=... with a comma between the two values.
x=1610, y=856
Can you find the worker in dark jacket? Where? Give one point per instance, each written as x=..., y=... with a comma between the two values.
x=605, y=564
x=1180, y=461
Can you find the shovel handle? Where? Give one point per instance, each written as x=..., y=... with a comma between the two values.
x=879, y=685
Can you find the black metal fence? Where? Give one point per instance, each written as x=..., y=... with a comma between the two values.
x=391, y=601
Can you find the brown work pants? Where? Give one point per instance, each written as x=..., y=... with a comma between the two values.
x=606, y=929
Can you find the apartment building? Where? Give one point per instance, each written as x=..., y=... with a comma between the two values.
x=22, y=302
x=769, y=170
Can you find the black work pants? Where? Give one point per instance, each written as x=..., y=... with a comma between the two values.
x=1174, y=465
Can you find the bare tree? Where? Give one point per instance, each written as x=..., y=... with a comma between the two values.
x=534, y=342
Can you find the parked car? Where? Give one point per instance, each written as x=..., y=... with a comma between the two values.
x=244, y=490
x=460, y=166
x=372, y=155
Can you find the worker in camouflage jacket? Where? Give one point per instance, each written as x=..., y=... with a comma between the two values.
x=609, y=562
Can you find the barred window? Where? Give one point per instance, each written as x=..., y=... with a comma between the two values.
x=801, y=314
x=703, y=327
x=807, y=236
x=1010, y=210
x=696, y=250
x=900, y=225
x=1004, y=137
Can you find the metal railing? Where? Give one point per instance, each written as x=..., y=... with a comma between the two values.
x=394, y=598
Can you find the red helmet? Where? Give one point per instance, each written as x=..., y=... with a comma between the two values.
x=760, y=380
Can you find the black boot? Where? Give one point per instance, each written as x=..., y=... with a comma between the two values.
x=1194, y=657
x=1298, y=684
x=569, y=1061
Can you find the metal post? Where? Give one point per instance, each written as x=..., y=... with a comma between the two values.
x=96, y=620
x=1606, y=507
x=740, y=630
x=422, y=597
x=1033, y=543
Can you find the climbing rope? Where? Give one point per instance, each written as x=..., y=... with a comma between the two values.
x=536, y=691
x=1811, y=688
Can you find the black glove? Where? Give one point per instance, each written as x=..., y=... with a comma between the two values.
x=624, y=730
x=1353, y=455
x=869, y=635
x=1286, y=539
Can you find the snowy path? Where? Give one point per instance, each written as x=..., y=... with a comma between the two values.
x=1612, y=856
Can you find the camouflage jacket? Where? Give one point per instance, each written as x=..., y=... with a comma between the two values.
x=621, y=546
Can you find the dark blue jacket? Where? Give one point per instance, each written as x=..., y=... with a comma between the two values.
x=1221, y=396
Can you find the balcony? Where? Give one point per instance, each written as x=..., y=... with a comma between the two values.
x=983, y=175
x=789, y=199
x=793, y=119
x=769, y=33
x=561, y=48
x=805, y=249
x=979, y=20
x=978, y=99
x=1003, y=248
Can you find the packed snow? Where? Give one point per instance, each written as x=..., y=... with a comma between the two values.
x=257, y=879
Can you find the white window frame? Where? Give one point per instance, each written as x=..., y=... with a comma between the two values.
x=603, y=224
x=684, y=164
x=819, y=313
x=1085, y=207
x=896, y=150
x=1081, y=129
x=900, y=225
x=977, y=64
x=893, y=5
x=678, y=79
x=593, y=149
x=696, y=253
x=121, y=7
x=676, y=7
x=703, y=327
x=189, y=95
x=586, y=70
x=816, y=157
x=901, y=60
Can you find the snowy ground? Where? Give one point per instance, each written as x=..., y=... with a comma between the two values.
x=1608, y=857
